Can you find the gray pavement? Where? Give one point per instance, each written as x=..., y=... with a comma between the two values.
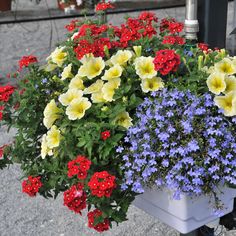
x=24, y=216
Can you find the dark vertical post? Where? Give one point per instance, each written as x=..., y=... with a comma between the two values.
x=212, y=17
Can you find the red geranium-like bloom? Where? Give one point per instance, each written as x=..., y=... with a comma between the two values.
x=79, y=167
x=5, y=92
x=25, y=61
x=31, y=186
x=105, y=135
x=148, y=16
x=1, y=115
x=75, y=198
x=100, y=227
x=166, y=61
x=102, y=6
x=72, y=25
x=173, y=40
x=102, y=184
x=171, y=25
x=203, y=46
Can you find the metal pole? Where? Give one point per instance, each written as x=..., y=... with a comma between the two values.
x=191, y=22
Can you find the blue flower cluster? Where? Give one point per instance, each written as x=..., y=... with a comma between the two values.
x=179, y=141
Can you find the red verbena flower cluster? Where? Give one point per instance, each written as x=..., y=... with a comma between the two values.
x=2, y=150
x=102, y=184
x=1, y=115
x=79, y=167
x=173, y=40
x=25, y=61
x=100, y=227
x=72, y=26
x=5, y=92
x=105, y=135
x=166, y=61
x=102, y=6
x=75, y=198
x=203, y=46
x=171, y=25
x=31, y=186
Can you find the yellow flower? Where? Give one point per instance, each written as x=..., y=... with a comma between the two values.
x=53, y=137
x=138, y=50
x=113, y=72
x=121, y=57
x=45, y=150
x=76, y=83
x=50, y=67
x=152, y=84
x=109, y=88
x=58, y=56
x=92, y=67
x=51, y=113
x=227, y=103
x=123, y=119
x=76, y=110
x=67, y=72
x=216, y=83
x=98, y=97
x=230, y=84
x=66, y=98
x=95, y=87
x=145, y=68
x=225, y=66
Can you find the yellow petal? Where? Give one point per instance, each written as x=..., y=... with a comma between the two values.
x=67, y=72
x=58, y=56
x=123, y=119
x=152, y=84
x=95, y=87
x=113, y=72
x=145, y=68
x=109, y=88
x=76, y=110
x=227, y=103
x=121, y=57
x=216, y=83
x=76, y=83
x=230, y=84
x=53, y=137
x=66, y=98
x=226, y=66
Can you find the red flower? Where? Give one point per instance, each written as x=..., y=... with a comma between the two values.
x=173, y=40
x=102, y=6
x=79, y=167
x=31, y=186
x=203, y=46
x=105, y=135
x=148, y=16
x=102, y=184
x=2, y=150
x=25, y=61
x=171, y=25
x=166, y=61
x=1, y=116
x=72, y=26
x=75, y=198
x=100, y=227
x=5, y=92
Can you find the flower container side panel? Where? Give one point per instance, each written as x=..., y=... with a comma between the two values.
x=5, y=5
x=186, y=214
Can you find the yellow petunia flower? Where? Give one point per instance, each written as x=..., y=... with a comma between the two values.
x=95, y=87
x=227, y=103
x=92, y=67
x=123, y=119
x=113, y=72
x=109, y=88
x=76, y=110
x=152, y=84
x=216, y=83
x=51, y=113
x=67, y=72
x=121, y=57
x=76, y=83
x=45, y=150
x=58, y=56
x=145, y=68
x=98, y=97
x=50, y=67
x=66, y=98
x=226, y=66
x=230, y=84
x=53, y=137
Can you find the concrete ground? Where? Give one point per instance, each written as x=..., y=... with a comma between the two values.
x=24, y=216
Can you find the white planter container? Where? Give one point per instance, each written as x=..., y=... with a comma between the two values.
x=187, y=214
